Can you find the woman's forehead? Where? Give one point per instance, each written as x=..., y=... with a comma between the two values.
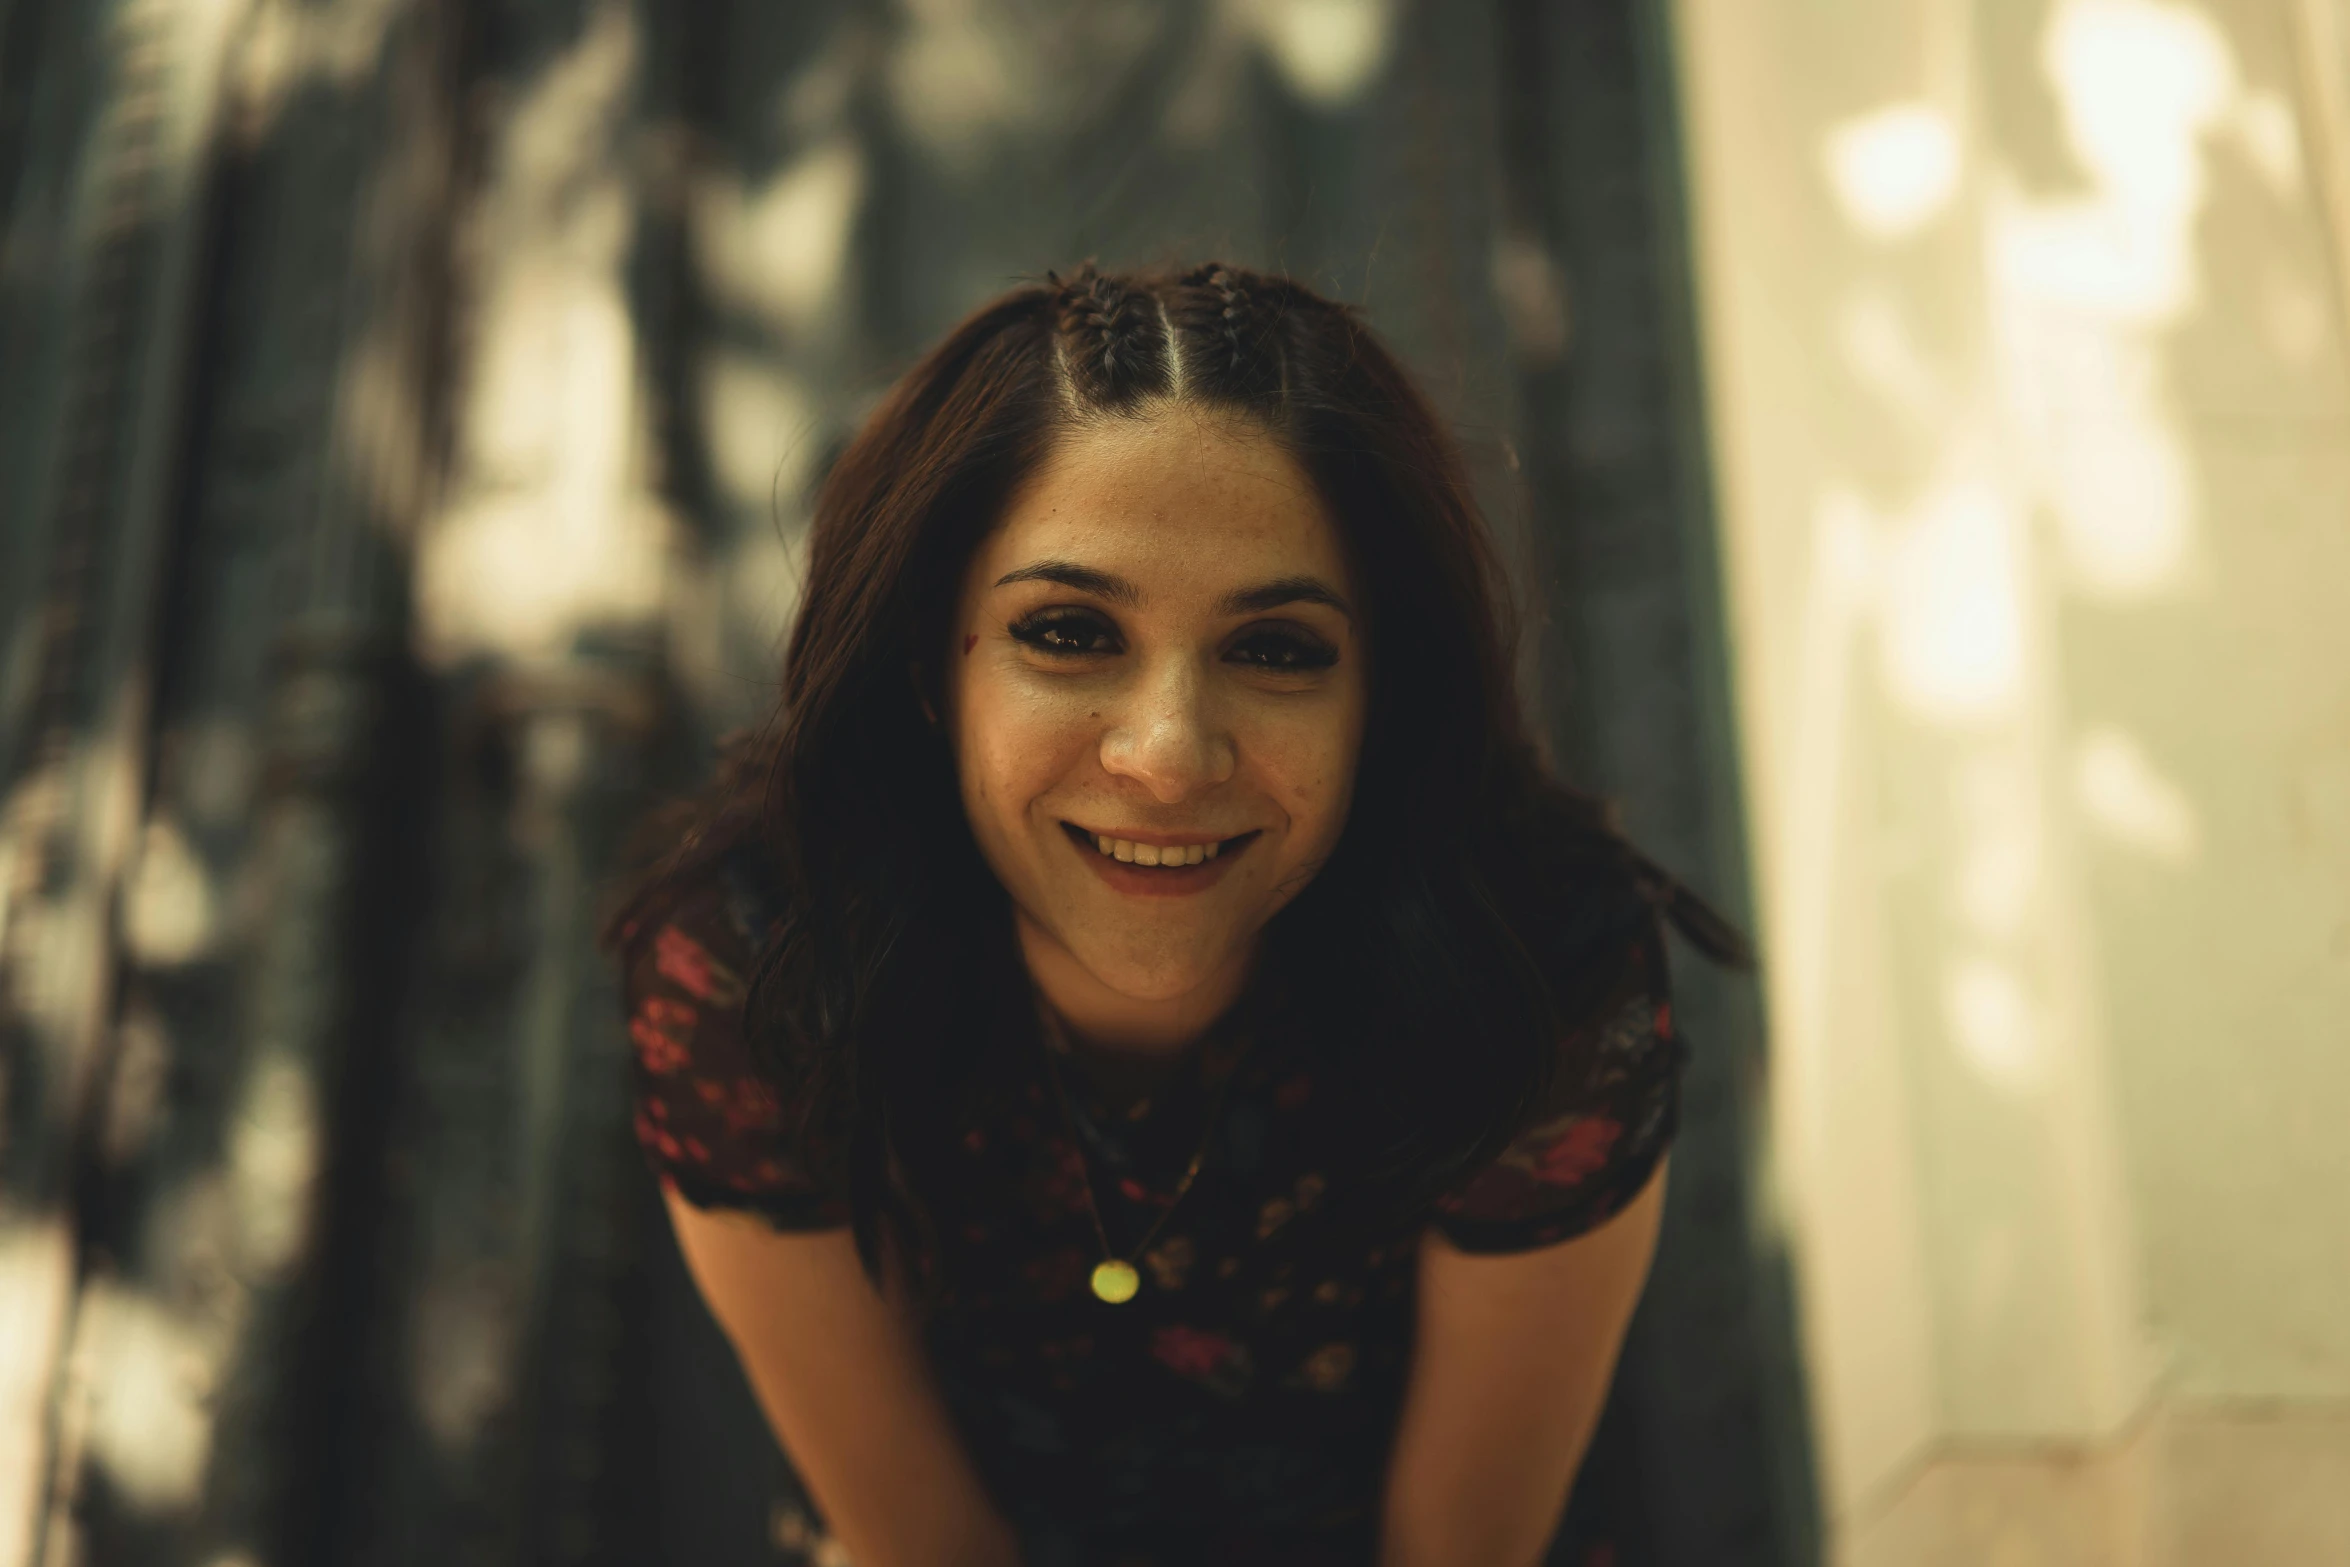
x=1175, y=492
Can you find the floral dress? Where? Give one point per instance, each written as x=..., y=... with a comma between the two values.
x=1240, y=1408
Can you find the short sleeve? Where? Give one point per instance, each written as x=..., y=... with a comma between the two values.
x=707, y=1117
x=1593, y=1147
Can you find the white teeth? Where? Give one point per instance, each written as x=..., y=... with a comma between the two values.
x=1134, y=853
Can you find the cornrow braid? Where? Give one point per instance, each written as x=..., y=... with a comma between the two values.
x=1235, y=317
x=1232, y=309
x=1115, y=349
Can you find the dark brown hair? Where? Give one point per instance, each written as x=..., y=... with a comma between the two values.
x=1495, y=910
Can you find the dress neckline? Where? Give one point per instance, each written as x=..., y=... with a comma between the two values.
x=1112, y=1092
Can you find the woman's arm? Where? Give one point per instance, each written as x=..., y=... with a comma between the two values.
x=840, y=1371
x=1510, y=1366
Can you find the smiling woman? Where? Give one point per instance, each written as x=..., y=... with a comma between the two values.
x=1148, y=880
x=1165, y=665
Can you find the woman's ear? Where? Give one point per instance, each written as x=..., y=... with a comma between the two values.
x=914, y=676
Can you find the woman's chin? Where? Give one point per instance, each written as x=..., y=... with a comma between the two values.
x=1153, y=987
x=1159, y=978
x=1177, y=970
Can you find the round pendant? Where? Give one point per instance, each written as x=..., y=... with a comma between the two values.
x=1116, y=1282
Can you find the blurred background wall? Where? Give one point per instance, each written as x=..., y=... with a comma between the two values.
x=2027, y=372
x=1915, y=428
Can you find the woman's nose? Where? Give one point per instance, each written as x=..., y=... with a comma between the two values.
x=1167, y=739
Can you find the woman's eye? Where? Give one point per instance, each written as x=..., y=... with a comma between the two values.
x=1284, y=650
x=1066, y=632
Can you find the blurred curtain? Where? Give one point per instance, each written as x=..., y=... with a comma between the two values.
x=409, y=411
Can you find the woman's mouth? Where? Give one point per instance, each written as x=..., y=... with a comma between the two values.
x=1135, y=866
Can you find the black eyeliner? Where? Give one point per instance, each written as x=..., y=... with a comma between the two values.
x=1307, y=653
x=1032, y=629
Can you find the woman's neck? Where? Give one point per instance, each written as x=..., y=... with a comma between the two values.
x=1110, y=1020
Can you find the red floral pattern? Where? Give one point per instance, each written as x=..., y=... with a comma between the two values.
x=1572, y=1157
x=688, y=964
x=1190, y=1353
x=661, y=1029
x=751, y=1106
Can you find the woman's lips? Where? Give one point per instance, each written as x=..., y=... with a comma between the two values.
x=1125, y=866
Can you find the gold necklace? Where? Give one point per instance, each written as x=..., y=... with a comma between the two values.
x=1114, y=1277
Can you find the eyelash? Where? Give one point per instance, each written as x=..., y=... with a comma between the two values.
x=1076, y=625
x=1293, y=654
x=1051, y=632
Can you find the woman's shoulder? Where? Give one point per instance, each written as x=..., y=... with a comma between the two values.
x=709, y=1115
x=724, y=905
x=1612, y=1108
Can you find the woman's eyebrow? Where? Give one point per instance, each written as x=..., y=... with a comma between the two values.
x=1241, y=601
x=1071, y=575
x=1284, y=590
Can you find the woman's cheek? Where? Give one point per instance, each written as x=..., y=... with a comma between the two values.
x=1027, y=741
x=1310, y=766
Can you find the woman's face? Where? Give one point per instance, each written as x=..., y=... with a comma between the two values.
x=1156, y=693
